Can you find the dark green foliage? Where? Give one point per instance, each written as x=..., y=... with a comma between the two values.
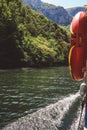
x=28, y=38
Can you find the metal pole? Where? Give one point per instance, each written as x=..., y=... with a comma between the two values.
x=84, y=102
x=85, y=79
x=85, y=6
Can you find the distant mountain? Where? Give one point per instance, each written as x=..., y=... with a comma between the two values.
x=74, y=10
x=57, y=14
x=54, y=13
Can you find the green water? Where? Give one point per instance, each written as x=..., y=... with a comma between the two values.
x=24, y=91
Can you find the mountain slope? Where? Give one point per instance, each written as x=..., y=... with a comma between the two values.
x=55, y=13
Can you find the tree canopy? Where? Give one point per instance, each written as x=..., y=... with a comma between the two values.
x=28, y=38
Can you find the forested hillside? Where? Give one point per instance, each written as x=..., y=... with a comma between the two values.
x=28, y=38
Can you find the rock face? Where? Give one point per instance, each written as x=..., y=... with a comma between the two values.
x=55, y=13
x=58, y=15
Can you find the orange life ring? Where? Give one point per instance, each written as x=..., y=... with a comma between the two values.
x=78, y=45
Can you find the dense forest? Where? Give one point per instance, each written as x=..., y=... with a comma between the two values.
x=28, y=38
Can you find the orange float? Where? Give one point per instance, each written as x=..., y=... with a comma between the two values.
x=78, y=45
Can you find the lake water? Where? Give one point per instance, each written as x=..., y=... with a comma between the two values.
x=31, y=92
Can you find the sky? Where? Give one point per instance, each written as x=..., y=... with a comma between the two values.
x=66, y=3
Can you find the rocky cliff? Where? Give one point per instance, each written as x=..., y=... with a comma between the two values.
x=55, y=13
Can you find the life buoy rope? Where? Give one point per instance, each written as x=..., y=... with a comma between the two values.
x=69, y=60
